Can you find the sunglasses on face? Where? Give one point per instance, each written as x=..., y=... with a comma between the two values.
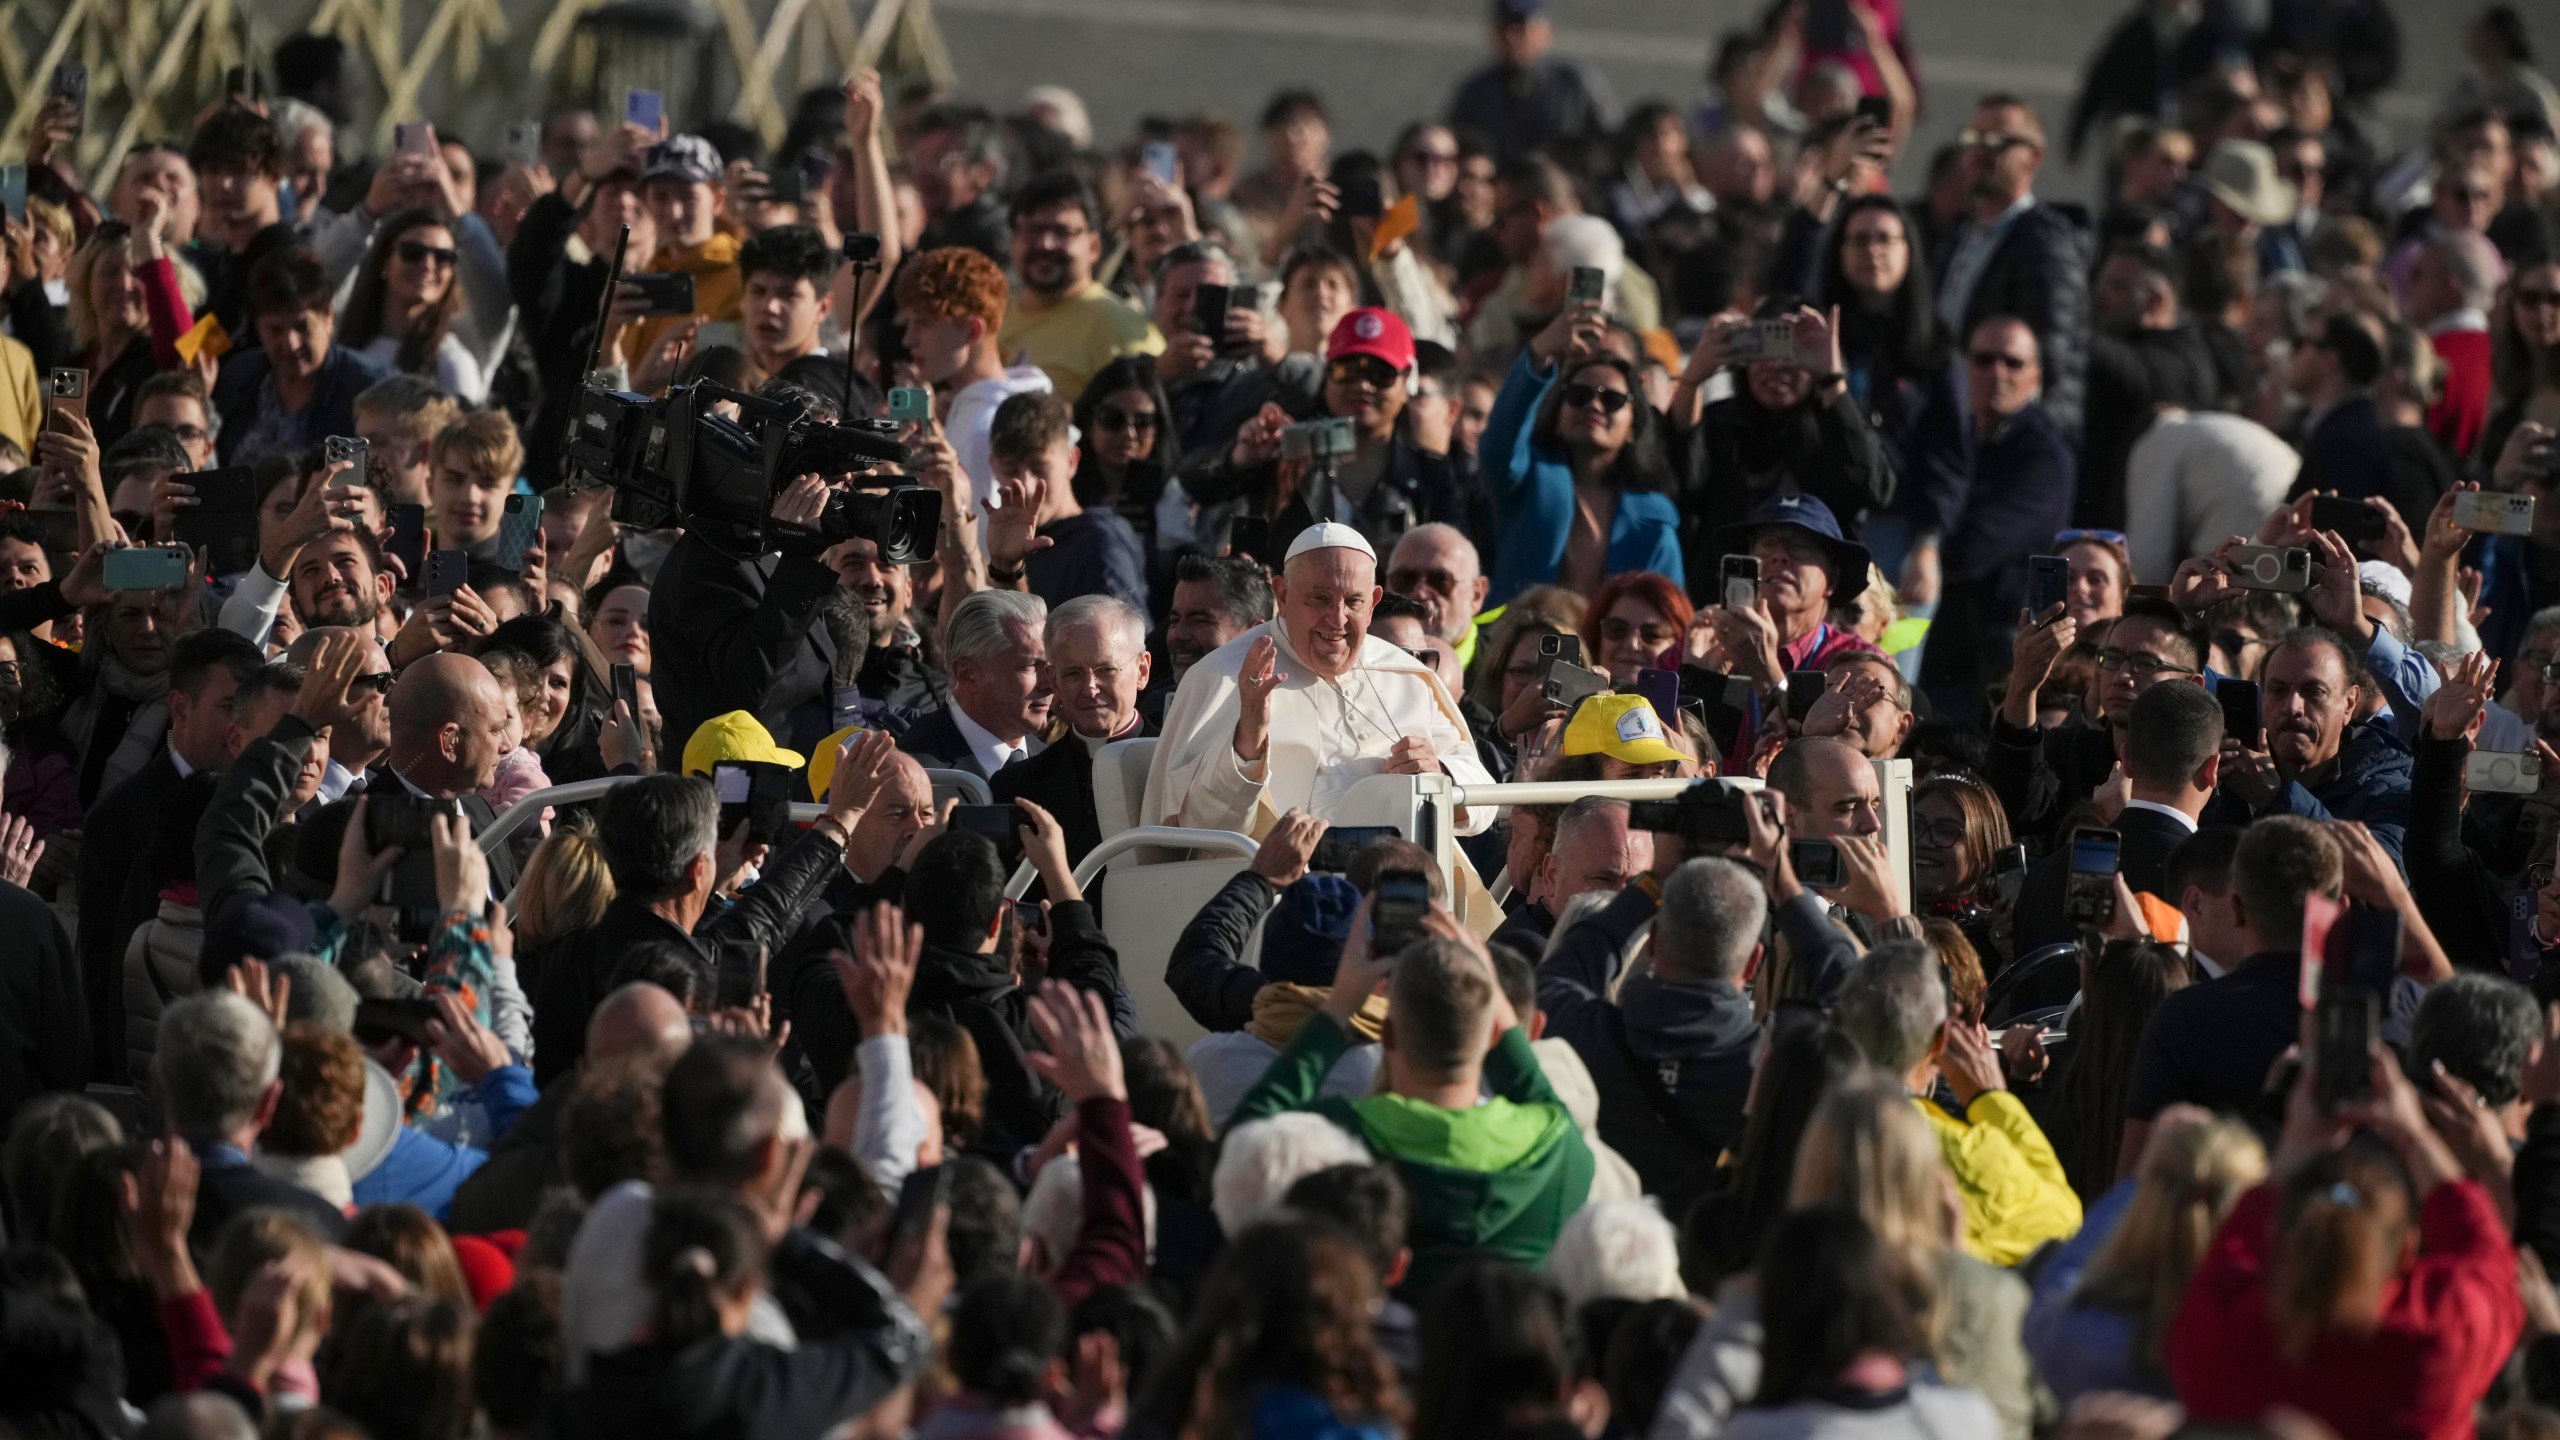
x=1619, y=632
x=379, y=684
x=1994, y=140
x=1112, y=417
x=1406, y=582
x=1610, y=401
x=1362, y=370
x=418, y=252
x=2138, y=664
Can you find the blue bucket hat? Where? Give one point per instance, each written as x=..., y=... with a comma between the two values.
x=1849, y=559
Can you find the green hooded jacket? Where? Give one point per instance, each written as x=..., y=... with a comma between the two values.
x=1499, y=1179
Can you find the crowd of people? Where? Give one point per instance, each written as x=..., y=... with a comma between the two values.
x=2094, y=984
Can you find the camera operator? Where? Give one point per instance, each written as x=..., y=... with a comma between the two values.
x=744, y=634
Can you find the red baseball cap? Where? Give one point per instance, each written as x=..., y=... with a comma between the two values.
x=1372, y=331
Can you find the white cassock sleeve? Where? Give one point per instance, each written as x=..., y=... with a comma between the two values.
x=1195, y=779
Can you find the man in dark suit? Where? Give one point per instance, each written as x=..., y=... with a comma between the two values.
x=117, y=894
x=447, y=717
x=341, y=691
x=1000, y=693
x=2015, y=255
x=218, y=1063
x=1097, y=648
x=2344, y=441
x=2173, y=759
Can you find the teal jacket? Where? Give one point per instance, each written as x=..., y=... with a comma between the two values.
x=1532, y=490
x=1499, y=1179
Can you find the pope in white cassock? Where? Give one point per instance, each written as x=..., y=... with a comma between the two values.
x=1295, y=711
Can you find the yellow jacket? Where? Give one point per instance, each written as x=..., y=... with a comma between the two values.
x=21, y=401
x=2015, y=1196
x=717, y=287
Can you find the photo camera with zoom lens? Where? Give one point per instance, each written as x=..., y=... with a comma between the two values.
x=678, y=461
x=1707, y=813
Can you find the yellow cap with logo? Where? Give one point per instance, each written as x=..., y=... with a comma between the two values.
x=1622, y=727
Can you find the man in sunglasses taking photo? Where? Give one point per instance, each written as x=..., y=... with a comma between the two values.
x=1384, y=487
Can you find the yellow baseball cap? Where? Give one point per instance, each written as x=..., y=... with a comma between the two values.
x=822, y=765
x=734, y=736
x=1622, y=727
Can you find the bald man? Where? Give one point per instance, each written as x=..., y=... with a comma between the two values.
x=1437, y=565
x=639, y=1024
x=448, y=726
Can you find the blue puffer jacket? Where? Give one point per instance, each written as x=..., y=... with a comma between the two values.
x=2370, y=783
x=1532, y=490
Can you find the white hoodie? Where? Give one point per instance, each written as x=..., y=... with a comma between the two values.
x=973, y=415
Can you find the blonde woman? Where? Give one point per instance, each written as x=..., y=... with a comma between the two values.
x=1866, y=1149
x=565, y=888
x=2107, y=1327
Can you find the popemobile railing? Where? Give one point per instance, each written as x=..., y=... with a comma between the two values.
x=969, y=788
x=1162, y=874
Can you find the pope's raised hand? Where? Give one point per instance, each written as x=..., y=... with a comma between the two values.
x=1254, y=683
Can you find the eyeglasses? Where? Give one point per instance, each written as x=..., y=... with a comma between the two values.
x=418, y=252
x=2538, y=299
x=1610, y=401
x=1985, y=359
x=1363, y=370
x=1426, y=655
x=2141, y=667
x=1112, y=417
x=1055, y=234
x=2090, y=537
x=379, y=684
x=1989, y=139
x=1618, y=632
x=2232, y=642
x=190, y=434
x=1405, y=582
x=1939, y=834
